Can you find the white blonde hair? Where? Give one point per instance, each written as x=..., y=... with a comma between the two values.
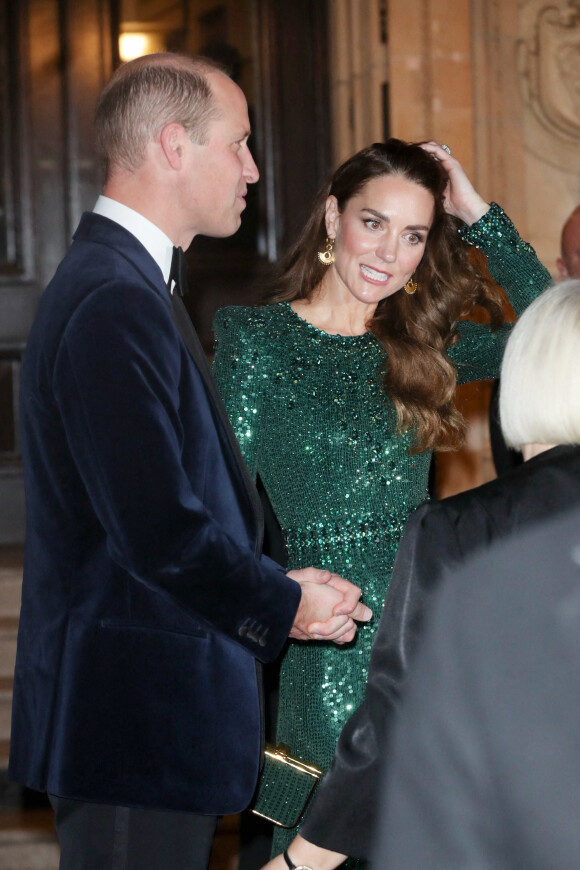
x=540, y=374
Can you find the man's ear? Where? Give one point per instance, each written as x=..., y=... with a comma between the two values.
x=562, y=270
x=171, y=140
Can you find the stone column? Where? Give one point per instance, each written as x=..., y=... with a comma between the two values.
x=358, y=74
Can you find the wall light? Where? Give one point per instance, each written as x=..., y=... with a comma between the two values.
x=135, y=44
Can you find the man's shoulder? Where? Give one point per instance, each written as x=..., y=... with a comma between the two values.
x=101, y=274
x=104, y=257
x=97, y=289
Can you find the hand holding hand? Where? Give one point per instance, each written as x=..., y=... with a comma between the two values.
x=461, y=199
x=304, y=853
x=328, y=608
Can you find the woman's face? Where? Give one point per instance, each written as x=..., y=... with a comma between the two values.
x=380, y=238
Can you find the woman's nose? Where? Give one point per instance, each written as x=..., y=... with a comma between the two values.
x=387, y=250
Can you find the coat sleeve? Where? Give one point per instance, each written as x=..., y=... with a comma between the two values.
x=118, y=382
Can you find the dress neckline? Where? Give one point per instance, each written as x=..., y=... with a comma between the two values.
x=331, y=336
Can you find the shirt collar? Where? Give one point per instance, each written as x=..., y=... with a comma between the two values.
x=151, y=237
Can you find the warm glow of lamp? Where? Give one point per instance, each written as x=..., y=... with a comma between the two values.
x=133, y=45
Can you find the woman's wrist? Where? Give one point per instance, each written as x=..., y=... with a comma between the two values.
x=291, y=865
x=474, y=211
x=302, y=853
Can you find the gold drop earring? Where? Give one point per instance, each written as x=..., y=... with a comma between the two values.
x=411, y=286
x=326, y=257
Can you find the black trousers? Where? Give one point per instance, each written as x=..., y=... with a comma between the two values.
x=103, y=837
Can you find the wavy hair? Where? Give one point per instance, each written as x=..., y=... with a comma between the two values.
x=415, y=331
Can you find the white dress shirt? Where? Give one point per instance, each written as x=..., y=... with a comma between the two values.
x=151, y=237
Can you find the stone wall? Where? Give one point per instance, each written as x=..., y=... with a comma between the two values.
x=497, y=80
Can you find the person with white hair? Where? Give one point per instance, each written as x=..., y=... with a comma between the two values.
x=568, y=265
x=540, y=394
x=484, y=761
x=540, y=413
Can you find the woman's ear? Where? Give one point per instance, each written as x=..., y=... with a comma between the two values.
x=332, y=217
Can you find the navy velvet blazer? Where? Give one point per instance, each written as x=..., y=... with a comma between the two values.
x=438, y=536
x=145, y=599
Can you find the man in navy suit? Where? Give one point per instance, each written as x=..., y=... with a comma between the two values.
x=147, y=605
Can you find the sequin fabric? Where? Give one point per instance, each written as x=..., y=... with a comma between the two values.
x=312, y=419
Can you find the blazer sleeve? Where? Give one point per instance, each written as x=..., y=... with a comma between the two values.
x=117, y=380
x=343, y=813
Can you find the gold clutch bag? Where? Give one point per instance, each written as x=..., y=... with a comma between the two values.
x=285, y=786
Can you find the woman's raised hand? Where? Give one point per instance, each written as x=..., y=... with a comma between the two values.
x=461, y=199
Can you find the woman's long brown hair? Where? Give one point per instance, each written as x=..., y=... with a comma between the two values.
x=415, y=331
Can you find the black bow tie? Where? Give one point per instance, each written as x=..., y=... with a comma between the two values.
x=178, y=273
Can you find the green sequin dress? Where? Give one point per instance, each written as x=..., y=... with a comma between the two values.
x=313, y=421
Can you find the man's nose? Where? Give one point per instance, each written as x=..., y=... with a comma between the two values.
x=251, y=173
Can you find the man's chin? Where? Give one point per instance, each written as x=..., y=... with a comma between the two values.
x=235, y=225
x=223, y=229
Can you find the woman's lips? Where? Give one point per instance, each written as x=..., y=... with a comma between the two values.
x=374, y=275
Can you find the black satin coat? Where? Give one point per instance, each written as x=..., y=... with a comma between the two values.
x=484, y=762
x=437, y=537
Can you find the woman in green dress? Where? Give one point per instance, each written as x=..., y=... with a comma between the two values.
x=341, y=387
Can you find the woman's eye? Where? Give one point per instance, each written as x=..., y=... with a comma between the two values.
x=414, y=238
x=372, y=224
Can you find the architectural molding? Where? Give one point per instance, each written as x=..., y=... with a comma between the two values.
x=549, y=77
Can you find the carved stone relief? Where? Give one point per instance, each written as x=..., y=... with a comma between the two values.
x=549, y=66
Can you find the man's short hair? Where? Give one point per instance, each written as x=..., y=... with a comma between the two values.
x=146, y=94
x=540, y=375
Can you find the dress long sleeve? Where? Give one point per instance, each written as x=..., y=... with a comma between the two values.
x=237, y=372
x=513, y=264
